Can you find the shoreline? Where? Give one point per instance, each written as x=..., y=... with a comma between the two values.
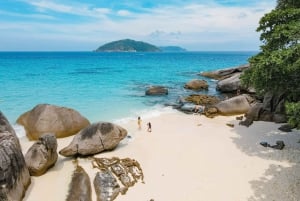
x=183, y=160
x=154, y=111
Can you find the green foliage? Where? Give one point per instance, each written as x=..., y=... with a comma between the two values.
x=277, y=67
x=282, y=4
x=293, y=113
x=276, y=71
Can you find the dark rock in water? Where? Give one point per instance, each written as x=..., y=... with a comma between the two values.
x=80, y=187
x=286, y=128
x=47, y=118
x=14, y=175
x=42, y=155
x=156, y=91
x=95, y=139
x=106, y=186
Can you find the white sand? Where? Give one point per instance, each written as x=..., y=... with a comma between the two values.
x=183, y=161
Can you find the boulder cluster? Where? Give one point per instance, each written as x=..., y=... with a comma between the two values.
x=244, y=100
x=235, y=99
x=44, y=124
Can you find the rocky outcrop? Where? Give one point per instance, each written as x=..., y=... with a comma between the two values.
x=156, y=91
x=233, y=106
x=202, y=99
x=188, y=104
x=272, y=109
x=196, y=85
x=225, y=73
x=14, y=175
x=95, y=139
x=42, y=155
x=229, y=79
x=230, y=84
x=45, y=118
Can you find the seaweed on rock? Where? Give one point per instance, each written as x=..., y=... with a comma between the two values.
x=127, y=171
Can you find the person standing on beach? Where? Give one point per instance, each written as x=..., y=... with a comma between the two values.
x=139, y=123
x=149, y=127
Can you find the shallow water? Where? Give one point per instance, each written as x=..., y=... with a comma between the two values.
x=103, y=86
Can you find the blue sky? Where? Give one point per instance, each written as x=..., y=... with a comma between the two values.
x=84, y=25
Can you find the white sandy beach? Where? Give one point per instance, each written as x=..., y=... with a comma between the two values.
x=185, y=161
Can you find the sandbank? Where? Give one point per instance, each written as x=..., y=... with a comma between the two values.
x=192, y=158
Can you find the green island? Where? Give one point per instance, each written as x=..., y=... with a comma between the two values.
x=127, y=45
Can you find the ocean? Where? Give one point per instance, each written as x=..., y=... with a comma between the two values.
x=104, y=86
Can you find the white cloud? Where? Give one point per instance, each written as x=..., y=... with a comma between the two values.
x=190, y=25
x=124, y=13
x=27, y=16
x=74, y=9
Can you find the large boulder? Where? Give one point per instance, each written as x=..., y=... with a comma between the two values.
x=42, y=155
x=272, y=109
x=196, y=85
x=230, y=84
x=233, y=106
x=225, y=73
x=94, y=139
x=156, y=91
x=45, y=118
x=14, y=175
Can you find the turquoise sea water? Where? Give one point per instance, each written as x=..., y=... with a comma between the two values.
x=102, y=86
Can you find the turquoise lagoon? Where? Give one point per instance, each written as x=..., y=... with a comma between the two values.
x=103, y=86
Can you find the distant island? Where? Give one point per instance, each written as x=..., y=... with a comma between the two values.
x=128, y=45
x=172, y=49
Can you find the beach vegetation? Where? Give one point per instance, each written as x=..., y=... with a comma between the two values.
x=276, y=68
x=293, y=113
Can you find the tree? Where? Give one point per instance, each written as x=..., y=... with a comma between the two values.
x=276, y=67
x=281, y=4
